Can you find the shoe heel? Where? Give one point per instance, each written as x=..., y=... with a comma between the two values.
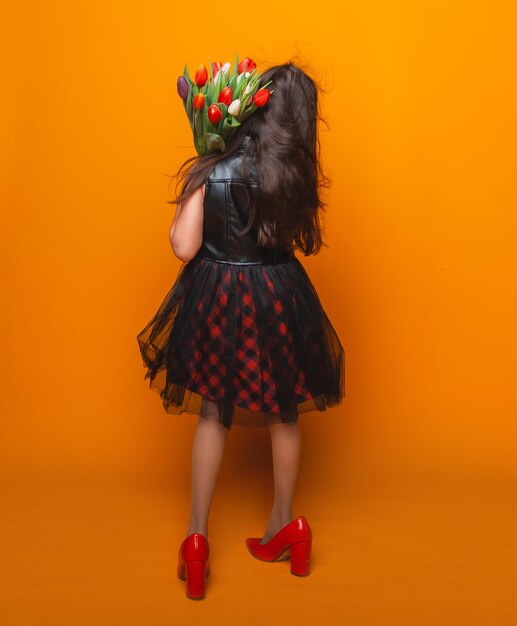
x=301, y=558
x=196, y=578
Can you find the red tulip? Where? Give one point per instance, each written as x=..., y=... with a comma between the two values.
x=261, y=98
x=201, y=76
x=214, y=113
x=216, y=66
x=198, y=102
x=226, y=96
x=246, y=65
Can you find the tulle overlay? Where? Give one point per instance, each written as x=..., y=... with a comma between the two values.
x=250, y=344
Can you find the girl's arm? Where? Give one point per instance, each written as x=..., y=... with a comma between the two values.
x=186, y=233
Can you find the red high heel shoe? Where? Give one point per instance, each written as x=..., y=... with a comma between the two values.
x=295, y=537
x=194, y=565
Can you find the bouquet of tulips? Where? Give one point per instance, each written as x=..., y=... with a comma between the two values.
x=218, y=102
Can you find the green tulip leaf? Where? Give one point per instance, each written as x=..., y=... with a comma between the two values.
x=198, y=122
x=211, y=89
x=186, y=75
x=224, y=111
x=200, y=143
x=220, y=82
x=206, y=121
x=189, y=108
x=248, y=113
x=230, y=125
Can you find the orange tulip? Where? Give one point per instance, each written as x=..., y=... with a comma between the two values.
x=198, y=102
x=201, y=76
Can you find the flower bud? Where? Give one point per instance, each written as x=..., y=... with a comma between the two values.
x=183, y=87
x=246, y=65
x=214, y=113
x=261, y=98
x=201, y=76
x=235, y=107
x=226, y=96
x=198, y=102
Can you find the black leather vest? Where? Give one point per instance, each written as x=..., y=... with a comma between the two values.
x=226, y=214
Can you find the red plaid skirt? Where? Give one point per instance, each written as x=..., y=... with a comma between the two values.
x=253, y=379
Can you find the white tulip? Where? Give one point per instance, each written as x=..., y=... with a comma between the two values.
x=235, y=107
x=226, y=66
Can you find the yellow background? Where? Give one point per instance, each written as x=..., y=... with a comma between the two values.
x=408, y=485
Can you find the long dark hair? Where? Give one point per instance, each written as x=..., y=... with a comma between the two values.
x=285, y=150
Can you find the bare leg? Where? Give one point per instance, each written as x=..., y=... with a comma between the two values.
x=207, y=455
x=286, y=446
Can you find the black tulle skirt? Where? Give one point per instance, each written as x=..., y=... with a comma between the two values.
x=250, y=344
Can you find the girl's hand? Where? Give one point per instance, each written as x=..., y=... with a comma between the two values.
x=186, y=233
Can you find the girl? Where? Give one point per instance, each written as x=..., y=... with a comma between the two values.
x=242, y=337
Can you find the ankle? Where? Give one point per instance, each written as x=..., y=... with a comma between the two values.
x=280, y=518
x=275, y=524
x=197, y=528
